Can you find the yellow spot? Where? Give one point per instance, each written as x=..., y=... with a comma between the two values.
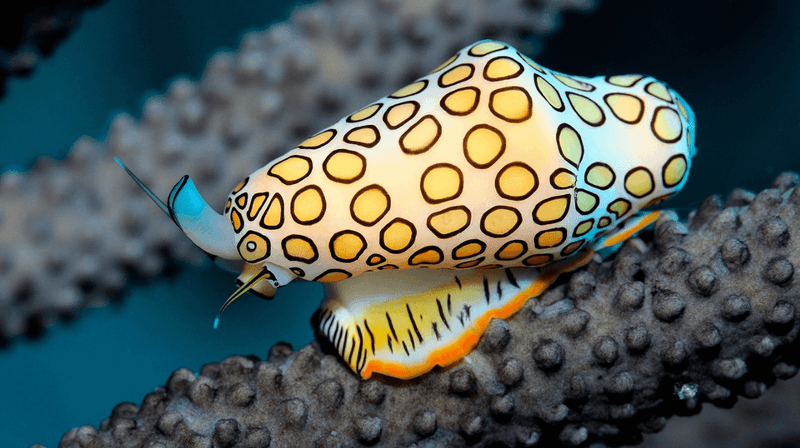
x=318, y=140
x=449, y=222
x=253, y=247
x=365, y=136
x=468, y=249
x=241, y=201
x=624, y=80
x=364, y=113
x=603, y=222
x=426, y=255
x=441, y=182
x=227, y=205
x=516, y=181
x=461, y=101
x=574, y=83
x=399, y=114
x=483, y=145
x=511, y=250
x=688, y=138
x=344, y=166
x=667, y=125
x=619, y=207
x=422, y=136
x=456, y=75
x=659, y=91
x=627, y=108
x=273, y=217
x=569, y=144
x=333, y=275
x=502, y=68
x=236, y=220
x=255, y=206
x=583, y=227
x=411, y=89
x=308, y=205
x=586, y=109
x=639, y=182
x=549, y=93
x=240, y=186
x=571, y=248
x=397, y=236
x=600, y=175
x=375, y=259
x=511, y=104
x=550, y=238
x=682, y=108
x=445, y=63
x=585, y=201
x=500, y=221
x=538, y=260
x=299, y=248
x=369, y=205
x=291, y=170
x=470, y=264
x=530, y=62
x=674, y=171
x=347, y=246
x=551, y=210
x=386, y=266
x=485, y=48
x=562, y=179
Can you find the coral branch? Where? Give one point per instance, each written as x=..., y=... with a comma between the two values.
x=699, y=312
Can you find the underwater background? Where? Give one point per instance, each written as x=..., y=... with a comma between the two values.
x=733, y=62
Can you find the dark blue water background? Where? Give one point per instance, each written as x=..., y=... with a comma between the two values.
x=735, y=62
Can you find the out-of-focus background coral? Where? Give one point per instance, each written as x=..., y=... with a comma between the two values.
x=733, y=61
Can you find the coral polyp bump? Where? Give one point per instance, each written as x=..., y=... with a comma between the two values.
x=449, y=202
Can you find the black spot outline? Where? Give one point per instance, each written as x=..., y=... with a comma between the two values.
x=527, y=263
x=303, y=238
x=411, y=128
x=466, y=243
x=345, y=232
x=602, y=114
x=664, y=170
x=242, y=240
x=613, y=175
x=425, y=249
x=228, y=205
x=322, y=144
x=441, y=212
x=525, y=58
x=322, y=211
x=536, y=79
x=410, y=242
x=658, y=200
x=470, y=264
x=276, y=197
x=575, y=230
x=608, y=209
x=308, y=173
x=251, y=214
x=414, y=114
x=241, y=185
x=653, y=124
x=600, y=222
x=567, y=196
x=524, y=249
x=565, y=253
x=608, y=80
x=589, y=87
x=499, y=153
x=241, y=220
x=387, y=266
x=445, y=64
x=497, y=58
x=516, y=198
x=349, y=120
x=332, y=271
x=364, y=145
x=381, y=260
x=652, y=181
x=461, y=114
x=441, y=165
x=424, y=86
x=358, y=193
x=298, y=271
x=236, y=201
x=469, y=52
x=498, y=207
x=560, y=229
x=561, y=150
x=641, y=107
x=556, y=173
x=504, y=89
x=596, y=201
x=344, y=181
x=671, y=101
x=471, y=73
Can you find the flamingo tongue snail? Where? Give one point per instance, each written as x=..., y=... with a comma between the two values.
x=449, y=202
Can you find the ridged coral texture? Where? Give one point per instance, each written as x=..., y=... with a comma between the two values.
x=79, y=228
x=702, y=311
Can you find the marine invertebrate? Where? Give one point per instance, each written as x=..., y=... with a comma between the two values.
x=476, y=123
x=711, y=302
